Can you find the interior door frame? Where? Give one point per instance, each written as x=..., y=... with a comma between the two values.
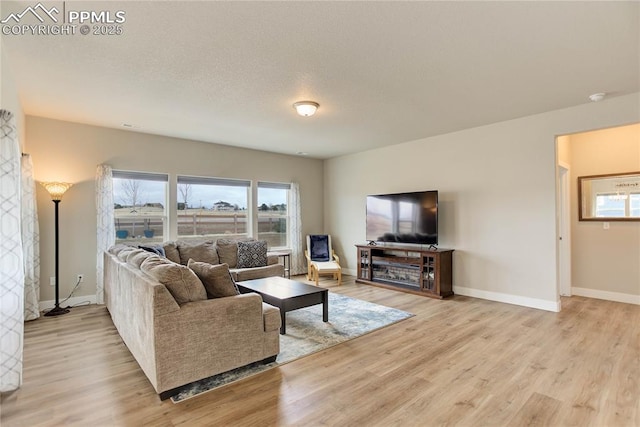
x=564, y=229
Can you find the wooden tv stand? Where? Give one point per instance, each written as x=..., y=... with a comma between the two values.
x=407, y=268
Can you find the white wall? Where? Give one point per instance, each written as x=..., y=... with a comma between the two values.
x=605, y=262
x=497, y=193
x=70, y=152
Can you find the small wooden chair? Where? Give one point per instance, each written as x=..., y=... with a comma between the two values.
x=321, y=258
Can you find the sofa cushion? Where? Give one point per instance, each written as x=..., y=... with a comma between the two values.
x=137, y=257
x=171, y=251
x=241, y=274
x=216, y=279
x=252, y=254
x=197, y=251
x=181, y=282
x=228, y=252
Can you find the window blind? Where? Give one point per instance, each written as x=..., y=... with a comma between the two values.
x=276, y=185
x=202, y=180
x=141, y=175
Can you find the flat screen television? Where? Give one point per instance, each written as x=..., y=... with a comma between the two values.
x=403, y=217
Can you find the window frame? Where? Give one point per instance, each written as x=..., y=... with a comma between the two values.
x=164, y=218
x=278, y=186
x=220, y=182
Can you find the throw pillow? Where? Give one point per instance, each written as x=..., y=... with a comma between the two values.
x=181, y=282
x=228, y=252
x=158, y=250
x=252, y=254
x=115, y=249
x=137, y=257
x=198, y=251
x=124, y=253
x=171, y=251
x=216, y=279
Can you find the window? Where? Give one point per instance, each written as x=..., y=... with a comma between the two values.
x=615, y=205
x=273, y=213
x=610, y=205
x=634, y=205
x=212, y=207
x=140, y=201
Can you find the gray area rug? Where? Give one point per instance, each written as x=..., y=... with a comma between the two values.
x=307, y=334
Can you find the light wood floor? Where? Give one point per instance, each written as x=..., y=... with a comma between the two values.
x=460, y=361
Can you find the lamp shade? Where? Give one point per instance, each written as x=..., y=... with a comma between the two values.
x=56, y=189
x=306, y=108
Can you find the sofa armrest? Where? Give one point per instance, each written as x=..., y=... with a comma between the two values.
x=272, y=319
x=209, y=336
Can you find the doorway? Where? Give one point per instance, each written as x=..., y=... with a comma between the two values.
x=595, y=259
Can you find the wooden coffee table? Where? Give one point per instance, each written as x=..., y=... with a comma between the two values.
x=287, y=295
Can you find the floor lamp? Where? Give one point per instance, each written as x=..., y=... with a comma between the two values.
x=56, y=189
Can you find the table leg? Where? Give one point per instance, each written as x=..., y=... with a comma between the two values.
x=325, y=306
x=287, y=261
x=283, y=325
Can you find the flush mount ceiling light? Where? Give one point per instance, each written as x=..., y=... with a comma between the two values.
x=306, y=108
x=597, y=97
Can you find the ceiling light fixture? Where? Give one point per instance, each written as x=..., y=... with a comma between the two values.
x=306, y=108
x=597, y=97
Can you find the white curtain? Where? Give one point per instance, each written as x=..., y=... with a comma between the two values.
x=11, y=264
x=106, y=224
x=298, y=263
x=30, y=241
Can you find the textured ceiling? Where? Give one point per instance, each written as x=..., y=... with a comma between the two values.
x=383, y=72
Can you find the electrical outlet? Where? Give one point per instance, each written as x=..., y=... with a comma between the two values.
x=52, y=281
x=80, y=278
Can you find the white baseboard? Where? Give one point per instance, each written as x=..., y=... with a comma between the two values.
x=540, y=304
x=606, y=295
x=508, y=298
x=71, y=302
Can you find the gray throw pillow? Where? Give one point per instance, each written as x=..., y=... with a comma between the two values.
x=252, y=254
x=171, y=251
x=115, y=249
x=228, y=252
x=181, y=282
x=124, y=253
x=158, y=250
x=198, y=251
x=216, y=279
x=137, y=256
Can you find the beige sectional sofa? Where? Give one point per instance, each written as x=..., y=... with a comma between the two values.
x=174, y=332
x=219, y=252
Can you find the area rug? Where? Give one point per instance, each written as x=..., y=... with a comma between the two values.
x=307, y=334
